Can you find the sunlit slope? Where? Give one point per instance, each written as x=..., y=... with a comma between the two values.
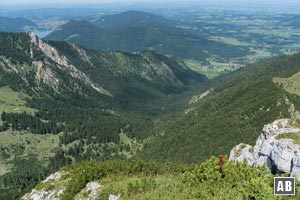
x=291, y=84
x=234, y=108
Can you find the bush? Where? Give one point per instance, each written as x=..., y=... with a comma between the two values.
x=142, y=186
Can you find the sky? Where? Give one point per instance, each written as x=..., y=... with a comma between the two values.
x=139, y=1
x=264, y=5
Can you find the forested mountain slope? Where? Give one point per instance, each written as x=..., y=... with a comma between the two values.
x=62, y=103
x=129, y=18
x=133, y=31
x=232, y=108
x=113, y=75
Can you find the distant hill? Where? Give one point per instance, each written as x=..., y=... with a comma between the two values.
x=133, y=31
x=129, y=18
x=290, y=20
x=295, y=22
x=14, y=24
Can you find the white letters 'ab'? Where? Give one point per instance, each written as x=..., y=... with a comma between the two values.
x=280, y=187
x=288, y=186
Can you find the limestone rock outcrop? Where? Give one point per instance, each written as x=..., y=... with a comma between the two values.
x=54, y=185
x=276, y=147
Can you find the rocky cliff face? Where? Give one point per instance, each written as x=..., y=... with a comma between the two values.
x=278, y=146
x=63, y=63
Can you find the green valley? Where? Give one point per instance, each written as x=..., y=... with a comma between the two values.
x=61, y=103
x=163, y=101
x=92, y=105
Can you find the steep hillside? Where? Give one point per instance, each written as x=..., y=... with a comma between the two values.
x=137, y=31
x=290, y=84
x=62, y=103
x=231, y=109
x=14, y=24
x=107, y=73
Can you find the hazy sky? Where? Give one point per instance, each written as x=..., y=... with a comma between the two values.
x=283, y=6
x=138, y=1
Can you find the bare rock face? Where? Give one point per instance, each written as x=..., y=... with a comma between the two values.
x=63, y=63
x=242, y=152
x=45, y=75
x=296, y=166
x=90, y=192
x=279, y=154
x=42, y=195
x=47, y=190
x=54, y=186
x=282, y=155
x=56, y=177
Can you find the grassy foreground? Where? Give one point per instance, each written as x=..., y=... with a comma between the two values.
x=141, y=180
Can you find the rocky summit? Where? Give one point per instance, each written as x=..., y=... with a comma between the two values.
x=278, y=146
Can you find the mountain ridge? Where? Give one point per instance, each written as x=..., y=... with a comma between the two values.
x=136, y=31
x=14, y=24
x=149, y=66
x=130, y=17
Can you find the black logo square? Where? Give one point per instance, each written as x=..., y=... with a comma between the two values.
x=284, y=185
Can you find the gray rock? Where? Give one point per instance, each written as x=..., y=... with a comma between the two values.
x=282, y=156
x=279, y=155
x=242, y=152
x=93, y=188
x=262, y=160
x=43, y=194
x=266, y=148
x=296, y=167
x=113, y=197
x=56, y=177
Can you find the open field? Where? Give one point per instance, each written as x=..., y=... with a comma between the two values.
x=25, y=145
x=266, y=35
x=11, y=101
x=292, y=84
x=213, y=69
